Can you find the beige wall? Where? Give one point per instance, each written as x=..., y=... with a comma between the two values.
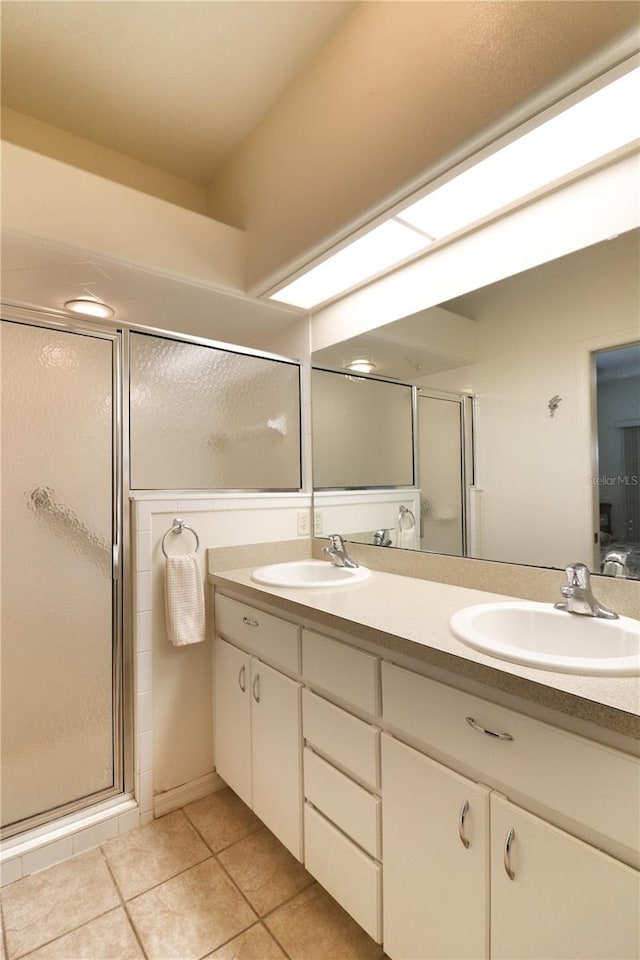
x=393, y=96
x=54, y=201
x=60, y=145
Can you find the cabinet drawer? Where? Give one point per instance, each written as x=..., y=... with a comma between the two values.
x=561, y=770
x=352, y=743
x=348, y=874
x=346, y=804
x=349, y=674
x=265, y=635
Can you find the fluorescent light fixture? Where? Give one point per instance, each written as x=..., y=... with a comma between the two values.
x=591, y=129
x=381, y=248
x=361, y=366
x=606, y=121
x=88, y=307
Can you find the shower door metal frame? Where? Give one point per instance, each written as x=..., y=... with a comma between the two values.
x=467, y=450
x=122, y=662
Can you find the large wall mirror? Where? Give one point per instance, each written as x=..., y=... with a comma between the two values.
x=526, y=434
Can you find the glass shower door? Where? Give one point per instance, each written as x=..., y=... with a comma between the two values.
x=60, y=722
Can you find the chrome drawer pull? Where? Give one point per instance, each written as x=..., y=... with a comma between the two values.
x=464, y=810
x=507, y=854
x=250, y=623
x=489, y=733
x=242, y=674
x=256, y=688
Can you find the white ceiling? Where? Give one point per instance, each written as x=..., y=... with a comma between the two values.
x=176, y=84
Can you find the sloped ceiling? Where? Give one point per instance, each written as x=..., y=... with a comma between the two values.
x=177, y=85
x=305, y=120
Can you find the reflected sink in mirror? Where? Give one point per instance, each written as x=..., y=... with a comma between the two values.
x=309, y=573
x=538, y=635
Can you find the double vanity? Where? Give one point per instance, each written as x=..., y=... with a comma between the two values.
x=456, y=805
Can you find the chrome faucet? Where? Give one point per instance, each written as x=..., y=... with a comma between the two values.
x=615, y=563
x=579, y=598
x=381, y=538
x=338, y=552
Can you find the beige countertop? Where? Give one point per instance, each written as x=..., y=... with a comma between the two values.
x=411, y=617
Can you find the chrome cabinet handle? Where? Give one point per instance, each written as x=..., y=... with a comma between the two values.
x=507, y=854
x=256, y=688
x=464, y=810
x=250, y=623
x=242, y=677
x=489, y=733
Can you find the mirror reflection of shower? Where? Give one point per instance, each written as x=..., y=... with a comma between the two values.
x=617, y=480
x=444, y=471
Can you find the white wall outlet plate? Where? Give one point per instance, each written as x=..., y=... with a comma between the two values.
x=304, y=523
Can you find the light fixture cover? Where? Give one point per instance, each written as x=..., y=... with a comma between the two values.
x=361, y=366
x=582, y=134
x=88, y=307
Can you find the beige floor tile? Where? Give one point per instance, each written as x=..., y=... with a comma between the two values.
x=265, y=871
x=190, y=915
x=256, y=943
x=313, y=926
x=152, y=854
x=222, y=819
x=107, y=938
x=49, y=904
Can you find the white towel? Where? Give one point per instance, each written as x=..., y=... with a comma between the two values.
x=184, y=600
x=407, y=539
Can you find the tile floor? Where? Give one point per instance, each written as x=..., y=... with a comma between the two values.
x=207, y=881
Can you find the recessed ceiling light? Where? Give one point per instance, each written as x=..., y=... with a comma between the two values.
x=361, y=366
x=88, y=307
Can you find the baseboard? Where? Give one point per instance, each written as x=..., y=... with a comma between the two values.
x=186, y=793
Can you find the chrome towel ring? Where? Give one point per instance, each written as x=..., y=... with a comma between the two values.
x=405, y=514
x=179, y=526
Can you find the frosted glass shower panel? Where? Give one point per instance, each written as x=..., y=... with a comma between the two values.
x=57, y=587
x=362, y=432
x=210, y=419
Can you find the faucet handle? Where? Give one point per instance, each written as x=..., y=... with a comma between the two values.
x=335, y=540
x=578, y=575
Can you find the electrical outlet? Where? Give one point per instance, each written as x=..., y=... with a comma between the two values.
x=304, y=526
x=317, y=523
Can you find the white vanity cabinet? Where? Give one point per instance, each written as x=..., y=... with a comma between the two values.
x=436, y=855
x=342, y=826
x=562, y=897
x=523, y=888
x=257, y=728
x=447, y=825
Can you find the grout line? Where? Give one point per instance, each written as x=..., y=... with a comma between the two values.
x=241, y=892
x=124, y=905
x=215, y=853
x=19, y=956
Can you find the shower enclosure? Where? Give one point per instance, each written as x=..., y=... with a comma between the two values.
x=62, y=702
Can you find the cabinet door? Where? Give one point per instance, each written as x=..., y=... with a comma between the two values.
x=277, y=754
x=435, y=887
x=232, y=717
x=566, y=899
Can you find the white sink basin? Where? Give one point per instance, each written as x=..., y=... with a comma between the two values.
x=309, y=573
x=540, y=636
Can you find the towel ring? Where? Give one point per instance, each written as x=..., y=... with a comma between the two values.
x=178, y=527
x=405, y=512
